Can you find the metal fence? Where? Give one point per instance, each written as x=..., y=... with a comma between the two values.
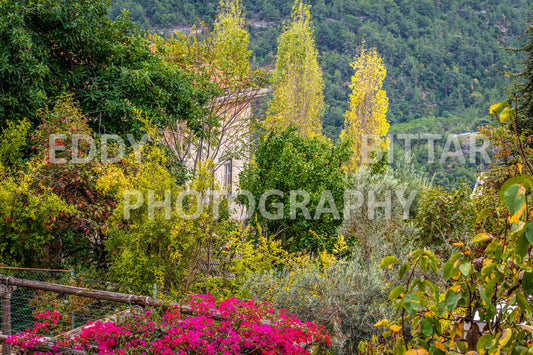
x=78, y=300
x=76, y=308
x=26, y=302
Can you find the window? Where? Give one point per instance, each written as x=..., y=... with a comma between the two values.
x=228, y=177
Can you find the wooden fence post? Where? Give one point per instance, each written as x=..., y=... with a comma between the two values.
x=5, y=292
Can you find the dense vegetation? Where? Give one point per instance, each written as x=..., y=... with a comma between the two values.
x=446, y=61
x=364, y=248
x=47, y=50
x=443, y=58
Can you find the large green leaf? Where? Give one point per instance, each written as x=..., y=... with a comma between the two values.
x=388, y=260
x=522, y=245
x=466, y=268
x=529, y=232
x=487, y=341
x=527, y=282
x=489, y=288
x=411, y=303
x=396, y=292
x=403, y=269
x=451, y=299
x=524, y=180
x=426, y=327
x=481, y=237
x=448, y=266
x=522, y=302
x=482, y=214
x=514, y=198
x=487, y=269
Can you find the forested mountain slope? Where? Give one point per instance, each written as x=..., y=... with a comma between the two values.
x=444, y=58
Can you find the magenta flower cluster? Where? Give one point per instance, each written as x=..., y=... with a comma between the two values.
x=231, y=326
x=30, y=338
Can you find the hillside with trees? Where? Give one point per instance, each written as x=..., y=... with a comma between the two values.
x=443, y=58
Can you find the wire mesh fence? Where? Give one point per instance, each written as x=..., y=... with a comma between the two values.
x=75, y=311
x=68, y=302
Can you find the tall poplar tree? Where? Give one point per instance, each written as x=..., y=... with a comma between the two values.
x=230, y=39
x=298, y=85
x=365, y=120
x=221, y=55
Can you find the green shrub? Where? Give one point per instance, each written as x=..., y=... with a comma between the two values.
x=288, y=162
x=445, y=218
x=366, y=222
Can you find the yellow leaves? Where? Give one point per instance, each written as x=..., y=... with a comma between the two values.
x=467, y=251
x=506, y=336
x=506, y=113
x=300, y=12
x=365, y=122
x=111, y=175
x=222, y=56
x=455, y=288
x=340, y=245
x=441, y=346
x=492, y=109
x=395, y=328
x=382, y=323
x=481, y=237
x=495, y=108
x=298, y=84
x=459, y=330
x=326, y=259
x=458, y=244
x=515, y=218
x=385, y=323
x=417, y=351
x=231, y=40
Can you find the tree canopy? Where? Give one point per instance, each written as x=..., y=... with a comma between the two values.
x=298, y=85
x=52, y=47
x=365, y=120
x=296, y=170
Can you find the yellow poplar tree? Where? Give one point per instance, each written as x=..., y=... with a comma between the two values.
x=297, y=79
x=365, y=118
x=221, y=55
x=230, y=39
